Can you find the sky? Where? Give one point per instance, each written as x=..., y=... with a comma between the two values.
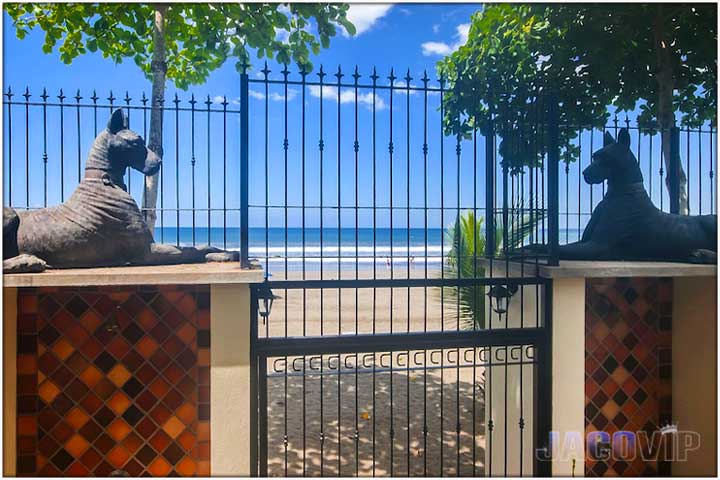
x=406, y=37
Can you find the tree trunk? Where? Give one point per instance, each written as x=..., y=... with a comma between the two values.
x=665, y=111
x=155, y=140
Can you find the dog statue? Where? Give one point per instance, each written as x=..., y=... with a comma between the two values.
x=100, y=225
x=626, y=225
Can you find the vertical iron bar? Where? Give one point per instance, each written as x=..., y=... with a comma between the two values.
x=490, y=185
x=9, y=94
x=208, y=102
x=127, y=104
x=45, y=153
x=339, y=76
x=61, y=97
x=27, y=148
x=303, y=74
x=263, y=414
x=553, y=165
x=408, y=78
x=244, y=170
x=176, y=101
x=244, y=207
x=673, y=177
x=192, y=160
x=711, y=173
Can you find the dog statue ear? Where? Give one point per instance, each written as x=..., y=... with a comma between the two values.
x=608, y=139
x=624, y=137
x=117, y=121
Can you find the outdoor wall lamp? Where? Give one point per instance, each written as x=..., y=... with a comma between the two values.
x=265, y=298
x=500, y=297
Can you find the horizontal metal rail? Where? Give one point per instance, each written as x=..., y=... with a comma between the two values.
x=311, y=345
x=400, y=282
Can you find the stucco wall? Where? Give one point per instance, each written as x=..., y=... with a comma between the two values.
x=694, y=367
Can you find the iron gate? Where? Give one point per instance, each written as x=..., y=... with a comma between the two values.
x=394, y=334
x=411, y=403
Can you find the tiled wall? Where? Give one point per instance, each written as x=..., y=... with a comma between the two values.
x=113, y=378
x=627, y=364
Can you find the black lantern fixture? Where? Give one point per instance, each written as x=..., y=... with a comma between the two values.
x=265, y=298
x=500, y=296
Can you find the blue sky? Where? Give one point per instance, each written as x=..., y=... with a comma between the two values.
x=403, y=36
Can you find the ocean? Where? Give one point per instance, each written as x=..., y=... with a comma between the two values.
x=304, y=248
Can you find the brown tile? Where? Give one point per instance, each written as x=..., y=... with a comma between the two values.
x=132, y=443
x=90, y=458
x=186, y=440
x=133, y=360
x=62, y=349
x=118, y=456
x=27, y=425
x=62, y=432
x=91, y=431
x=48, y=391
x=118, y=429
x=118, y=402
x=104, y=388
x=119, y=375
x=146, y=400
x=77, y=470
x=91, y=376
x=118, y=347
x=187, y=413
x=159, y=388
x=173, y=427
x=159, y=467
x=146, y=347
x=26, y=364
x=173, y=346
x=173, y=373
x=160, y=441
x=186, y=467
x=160, y=414
x=76, y=418
x=76, y=446
x=90, y=320
x=146, y=427
x=91, y=348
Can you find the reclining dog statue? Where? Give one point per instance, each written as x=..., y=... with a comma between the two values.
x=100, y=225
x=626, y=225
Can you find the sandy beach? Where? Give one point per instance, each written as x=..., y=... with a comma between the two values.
x=419, y=390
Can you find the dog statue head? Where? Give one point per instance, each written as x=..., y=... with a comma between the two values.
x=117, y=147
x=614, y=162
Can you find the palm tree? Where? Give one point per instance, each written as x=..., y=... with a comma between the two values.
x=467, y=240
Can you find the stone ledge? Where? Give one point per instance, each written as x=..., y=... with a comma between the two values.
x=186, y=274
x=604, y=269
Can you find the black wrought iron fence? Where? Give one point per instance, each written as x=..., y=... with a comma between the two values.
x=48, y=134
x=400, y=330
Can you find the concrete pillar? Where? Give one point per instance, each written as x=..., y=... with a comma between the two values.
x=694, y=371
x=10, y=299
x=230, y=380
x=568, y=375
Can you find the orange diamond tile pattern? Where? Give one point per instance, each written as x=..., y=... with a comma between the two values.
x=628, y=367
x=113, y=378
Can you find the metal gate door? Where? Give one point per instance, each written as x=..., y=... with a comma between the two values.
x=390, y=396
x=395, y=333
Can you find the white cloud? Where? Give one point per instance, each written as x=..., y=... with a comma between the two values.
x=435, y=48
x=364, y=16
x=441, y=48
x=436, y=28
x=274, y=96
x=347, y=96
x=218, y=99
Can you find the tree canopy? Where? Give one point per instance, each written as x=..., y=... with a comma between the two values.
x=198, y=37
x=589, y=57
